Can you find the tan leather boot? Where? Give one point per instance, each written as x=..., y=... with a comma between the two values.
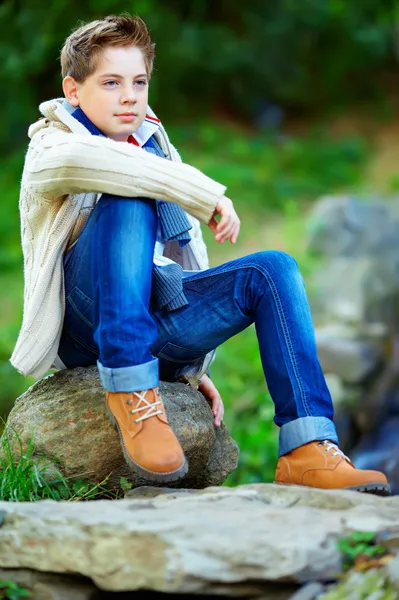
x=324, y=465
x=149, y=445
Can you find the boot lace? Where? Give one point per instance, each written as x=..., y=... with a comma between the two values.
x=144, y=404
x=327, y=445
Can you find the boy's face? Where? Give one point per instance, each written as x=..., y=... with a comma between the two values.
x=115, y=96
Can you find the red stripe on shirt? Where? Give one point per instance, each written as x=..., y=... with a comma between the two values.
x=131, y=140
x=152, y=119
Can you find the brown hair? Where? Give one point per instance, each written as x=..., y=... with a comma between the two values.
x=79, y=55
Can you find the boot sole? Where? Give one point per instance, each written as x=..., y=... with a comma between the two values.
x=378, y=489
x=152, y=476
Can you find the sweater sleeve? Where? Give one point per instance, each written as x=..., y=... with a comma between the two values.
x=60, y=163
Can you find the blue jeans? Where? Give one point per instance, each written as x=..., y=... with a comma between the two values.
x=110, y=318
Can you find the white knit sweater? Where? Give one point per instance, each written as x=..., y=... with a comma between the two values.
x=66, y=170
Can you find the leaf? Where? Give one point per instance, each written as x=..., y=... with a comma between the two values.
x=125, y=484
x=363, y=536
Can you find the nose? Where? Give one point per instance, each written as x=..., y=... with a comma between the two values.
x=128, y=95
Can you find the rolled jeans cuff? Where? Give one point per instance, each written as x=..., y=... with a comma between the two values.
x=130, y=379
x=304, y=430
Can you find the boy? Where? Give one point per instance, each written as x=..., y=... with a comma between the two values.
x=116, y=271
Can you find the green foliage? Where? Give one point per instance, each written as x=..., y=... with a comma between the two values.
x=374, y=584
x=26, y=478
x=9, y=590
x=125, y=485
x=10, y=175
x=11, y=280
x=267, y=172
x=257, y=59
x=358, y=545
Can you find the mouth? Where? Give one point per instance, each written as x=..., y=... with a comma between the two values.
x=126, y=117
x=127, y=114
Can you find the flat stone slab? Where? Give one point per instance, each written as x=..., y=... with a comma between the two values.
x=231, y=541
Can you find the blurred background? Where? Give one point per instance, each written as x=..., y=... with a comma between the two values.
x=295, y=107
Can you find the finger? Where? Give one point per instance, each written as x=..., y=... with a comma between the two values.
x=214, y=404
x=226, y=218
x=228, y=226
x=227, y=233
x=218, y=411
x=213, y=224
x=234, y=237
x=223, y=224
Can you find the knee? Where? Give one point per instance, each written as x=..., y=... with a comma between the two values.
x=271, y=271
x=127, y=212
x=277, y=260
x=280, y=266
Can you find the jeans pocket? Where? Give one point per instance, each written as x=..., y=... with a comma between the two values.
x=78, y=320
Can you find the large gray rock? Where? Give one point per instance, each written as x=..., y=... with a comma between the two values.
x=358, y=240
x=347, y=353
x=232, y=541
x=354, y=226
x=65, y=414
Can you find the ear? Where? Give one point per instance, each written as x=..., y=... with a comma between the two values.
x=70, y=88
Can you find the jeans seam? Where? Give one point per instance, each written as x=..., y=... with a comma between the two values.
x=77, y=339
x=288, y=340
x=84, y=298
x=283, y=323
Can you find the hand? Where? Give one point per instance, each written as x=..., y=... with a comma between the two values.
x=207, y=387
x=228, y=227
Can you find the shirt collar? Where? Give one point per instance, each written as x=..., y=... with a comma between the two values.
x=149, y=126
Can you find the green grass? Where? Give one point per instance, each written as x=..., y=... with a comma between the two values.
x=9, y=590
x=26, y=478
x=360, y=544
x=273, y=183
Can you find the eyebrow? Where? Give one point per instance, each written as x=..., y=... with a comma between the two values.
x=121, y=76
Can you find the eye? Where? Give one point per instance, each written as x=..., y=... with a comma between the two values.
x=141, y=82
x=111, y=83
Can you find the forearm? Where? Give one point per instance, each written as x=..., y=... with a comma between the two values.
x=62, y=165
